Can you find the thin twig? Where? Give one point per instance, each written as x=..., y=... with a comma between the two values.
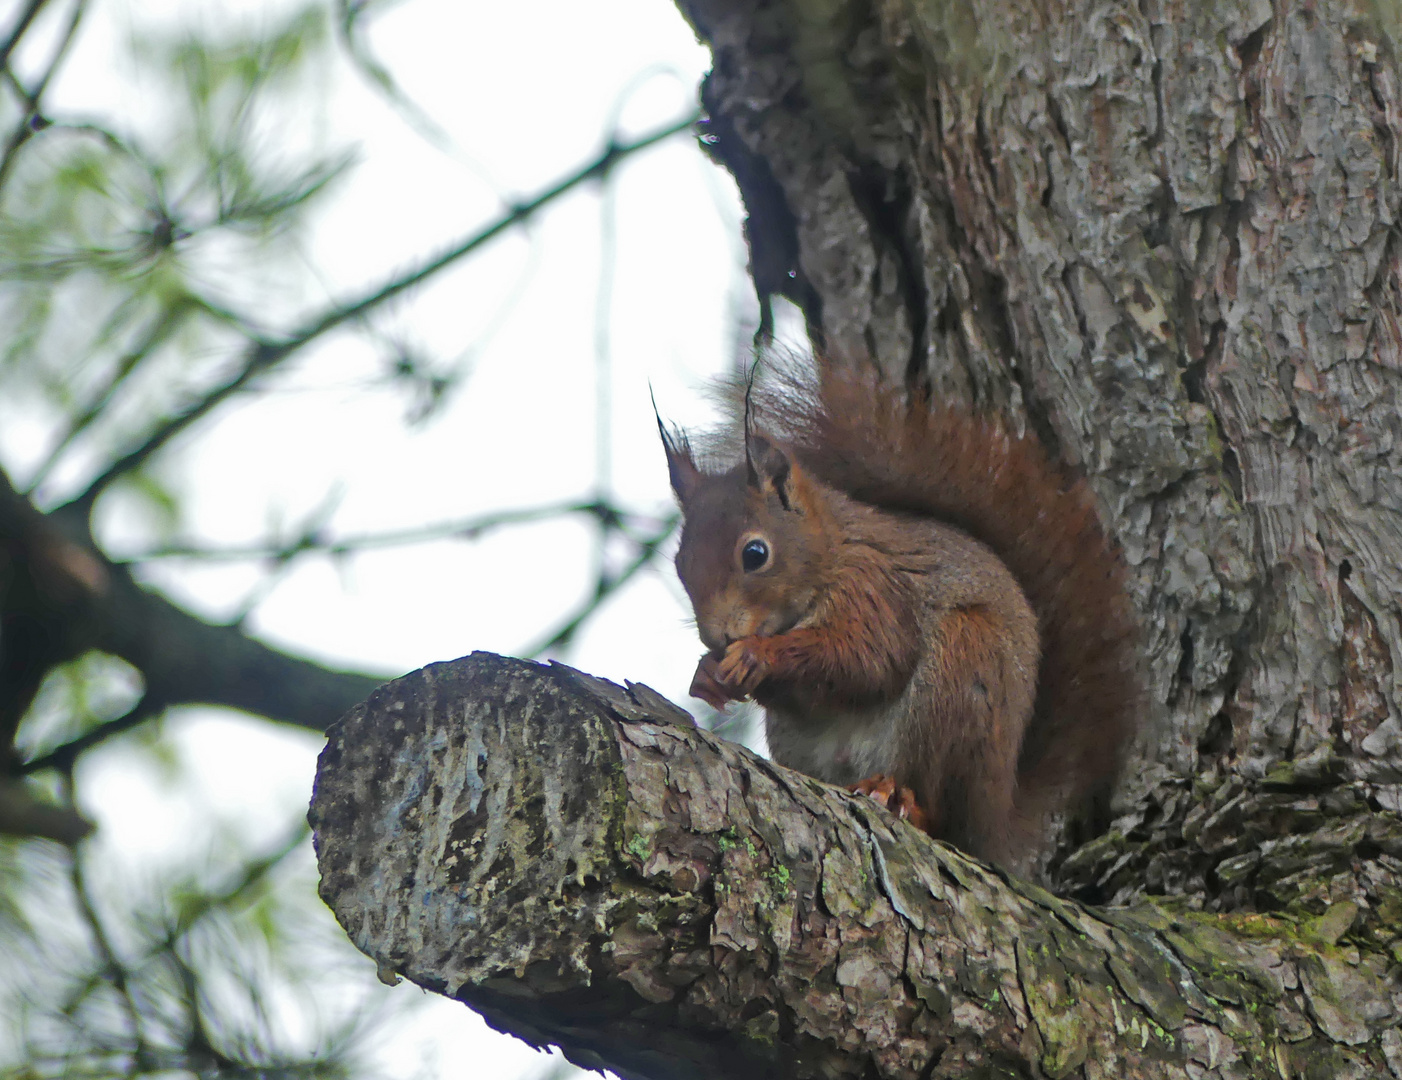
x=235, y=892
x=63, y=757
x=263, y=588
x=161, y=328
x=21, y=27
x=605, y=587
x=112, y=969
x=29, y=122
x=381, y=80
x=262, y=356
x=313, y=541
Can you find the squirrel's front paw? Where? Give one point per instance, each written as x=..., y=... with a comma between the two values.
x=743, y=667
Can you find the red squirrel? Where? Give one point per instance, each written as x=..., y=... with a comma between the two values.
x=926, y=606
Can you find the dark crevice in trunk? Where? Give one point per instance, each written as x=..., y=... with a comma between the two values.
x=886, y=201
x=771, y=231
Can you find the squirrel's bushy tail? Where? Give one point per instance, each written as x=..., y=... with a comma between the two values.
x=871, y=440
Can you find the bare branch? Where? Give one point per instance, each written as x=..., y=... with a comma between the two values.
x=312, y=540
x=263, y=356
x=81, y=601
x=187, y=660
x=30, y=121
x=605, y=586
x=586, y=868
x=22, y=25
x=63, y=757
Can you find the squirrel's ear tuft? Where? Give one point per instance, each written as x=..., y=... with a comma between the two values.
x=681, y=468
x=769, y=469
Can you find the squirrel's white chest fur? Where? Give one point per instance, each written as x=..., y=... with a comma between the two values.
x=841, y=746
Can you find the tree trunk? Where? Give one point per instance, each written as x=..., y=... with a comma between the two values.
x=1160, y=235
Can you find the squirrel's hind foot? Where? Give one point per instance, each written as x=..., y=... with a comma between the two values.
x=899, y=800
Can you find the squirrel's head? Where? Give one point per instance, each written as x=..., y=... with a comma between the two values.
x=755, y=541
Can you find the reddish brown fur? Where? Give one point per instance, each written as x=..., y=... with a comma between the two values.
x=1041, y=521
x=861, y=651
x=973, y=802
x=985, y=782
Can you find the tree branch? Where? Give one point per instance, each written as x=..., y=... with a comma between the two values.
x=23, y=812
x=62, y=598
x=607, y=583
x=314, y=539
x=26, y=17
x=30, y=120
x=187, y=660
x=63, y=757
x=262, y=356
x=586, y=868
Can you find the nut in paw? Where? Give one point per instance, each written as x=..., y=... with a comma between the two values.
x=743, y=668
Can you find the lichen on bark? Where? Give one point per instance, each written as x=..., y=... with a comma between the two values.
x=588, y=869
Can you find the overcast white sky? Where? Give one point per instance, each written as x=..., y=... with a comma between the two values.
x=524, y=91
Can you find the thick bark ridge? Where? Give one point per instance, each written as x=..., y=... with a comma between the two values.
x=585, y=867
x=1162, y=235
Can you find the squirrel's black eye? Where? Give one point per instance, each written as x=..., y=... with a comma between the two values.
x=754, y=555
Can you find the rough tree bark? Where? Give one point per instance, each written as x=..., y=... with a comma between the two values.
x=1160, y=235
x=586, y=868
